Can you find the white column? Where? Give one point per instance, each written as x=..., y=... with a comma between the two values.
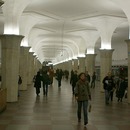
x=75, y=64
x=105, y=64
x=23, y=70
x=69, y=67
x=81, y=64
x=90, y=63
x=30, y=67
x=10, y=65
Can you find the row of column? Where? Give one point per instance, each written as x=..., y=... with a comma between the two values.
x=87, y=63
x=16, y=60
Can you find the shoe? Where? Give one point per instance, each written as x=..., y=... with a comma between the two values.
x=85, y=124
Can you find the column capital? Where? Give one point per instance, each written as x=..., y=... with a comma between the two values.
x=91, y=55
x=81, y=57
x=27, y=47
x=7, y=36
x=11, y=41
x=31, y=53
x=106, y=52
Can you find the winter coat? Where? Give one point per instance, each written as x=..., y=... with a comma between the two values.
x=45, y=78
x=38, y=81
x=121, y=88
x=108, y=83
x=74, y=80
x=82, y=90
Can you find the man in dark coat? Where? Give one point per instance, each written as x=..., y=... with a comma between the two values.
x=59, y=75
x=46, y=82
x=108, y=83
x=74, y=80
x=37, y=83
x=121, y=87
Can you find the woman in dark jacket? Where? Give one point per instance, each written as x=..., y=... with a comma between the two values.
x=121, y=87
x=82, y=95
x=37, y=83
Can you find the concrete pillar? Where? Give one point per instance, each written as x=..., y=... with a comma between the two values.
x=70, y=66
x=30, y=67
x=75, y=64
x=81, y=64
x=22, y=69
x=128, y=44
x=10, y=65
x=105, y=64
x=90, y=63
x=39, y=65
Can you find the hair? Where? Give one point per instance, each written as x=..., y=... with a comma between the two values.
x=81, y=74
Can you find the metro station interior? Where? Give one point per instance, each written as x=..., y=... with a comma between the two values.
x=85, y=35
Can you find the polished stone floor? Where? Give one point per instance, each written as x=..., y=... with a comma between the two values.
x=58, y=111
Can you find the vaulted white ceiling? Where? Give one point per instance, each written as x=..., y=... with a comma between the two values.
x=58, y=30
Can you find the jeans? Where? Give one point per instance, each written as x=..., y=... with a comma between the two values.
x=93, y=84
x=107, y=95
x=45, y=89
x=59, y=83
x=85, y=112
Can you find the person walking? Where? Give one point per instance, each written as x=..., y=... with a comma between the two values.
x=108, y=83
x=46, y=81
x=93, y=80
x=51, y=75
x=74, y=80
x=121, y=88
x=59, y=75
x=82, y=95
x=37, y=83
x=87, y=76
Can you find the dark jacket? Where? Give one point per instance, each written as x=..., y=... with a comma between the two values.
x=82, y=90
x=74, y=79
x=108, y=83
x=45, y=78
x=121, y=87
x=38, y=80
x=59, y=74
x=88, y=78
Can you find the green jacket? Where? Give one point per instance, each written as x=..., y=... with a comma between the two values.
x=82, y=90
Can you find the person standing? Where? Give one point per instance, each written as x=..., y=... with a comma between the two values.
x=93, y=80
x=82, y=95
x=37, y=83
x=74, y=80
x=51, y=75
x=121, y=88
x=59, y=75
x=87, y=76
x=108, y=83
x=71, y=75
x=19, y=83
